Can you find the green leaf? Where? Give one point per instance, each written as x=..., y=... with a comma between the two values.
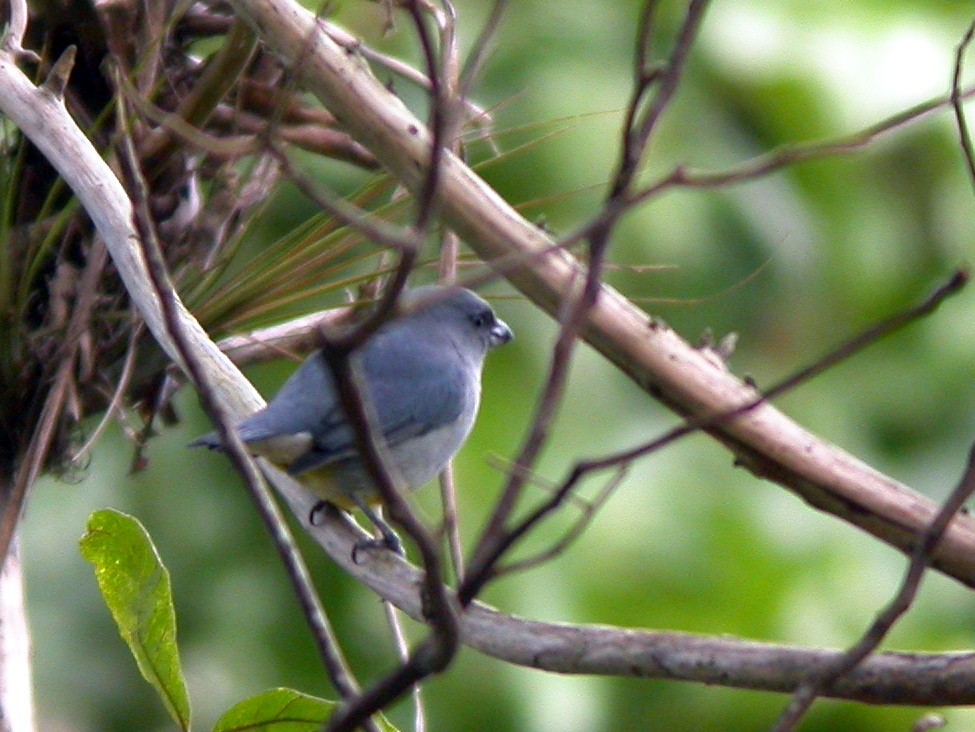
x=137, y=591
x=281, y=710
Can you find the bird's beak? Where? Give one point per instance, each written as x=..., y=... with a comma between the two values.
x=500, y=334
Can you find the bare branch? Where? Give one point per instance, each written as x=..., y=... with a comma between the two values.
x=14, y=32
x=376, y=230
x=957, y=103
x=441, y=115
x=477, y=114
x=460, y=85
x=478, y=53
x=300, y=335
x=16, y=689
x=496, y=537
x=115, y=402
x=886, y=678
x=395, y=623
x=438, y=649
x=587, y=512
x=785, y=156
x=663, y=81
x=158, y=277
x=435, y=652
x=815, y=684
x=503, y=538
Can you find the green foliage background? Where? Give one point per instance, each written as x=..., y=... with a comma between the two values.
x=794, y=263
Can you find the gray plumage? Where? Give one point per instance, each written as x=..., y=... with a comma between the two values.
x=422, y=374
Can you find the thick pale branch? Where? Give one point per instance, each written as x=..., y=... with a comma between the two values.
x=295, y=338
x=880, y=628
x=16, y=690
x=662, y=363
x=885, y=678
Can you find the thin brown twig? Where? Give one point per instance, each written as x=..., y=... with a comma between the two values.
x=299, y=335
x=350, y=340
x=683, y=176
x=474, y=63
x=401, y=68
x=325, y=640
x=495, y=537
x=118, y=393
x=449, y=251
x=787, y=155
x=589, y=511
x=441, y=114
x=441, y=644
x=395, y=623
x=812, y=687
x=447, y=266
x=663, y=81
x=450, y=247
x=843, y=352
x=378, y=231
x=957, y=103
x=704, y=422
x=451, y=519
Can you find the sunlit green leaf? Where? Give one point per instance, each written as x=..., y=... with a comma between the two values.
x=281, y=710
x=137, y=591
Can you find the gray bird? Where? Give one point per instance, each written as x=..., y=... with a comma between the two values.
x=422, y=376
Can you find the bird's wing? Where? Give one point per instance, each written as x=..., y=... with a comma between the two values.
x=304, y=403
x=413, y=390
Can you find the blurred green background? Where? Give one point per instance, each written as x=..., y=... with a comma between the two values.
x=794, y=263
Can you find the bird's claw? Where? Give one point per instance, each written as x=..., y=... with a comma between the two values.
x=316, y=511
x=388, y=541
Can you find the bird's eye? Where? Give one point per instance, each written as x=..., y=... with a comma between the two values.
x=482, y=318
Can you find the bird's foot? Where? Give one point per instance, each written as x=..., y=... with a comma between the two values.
x=316, y=511
x=388, y=541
